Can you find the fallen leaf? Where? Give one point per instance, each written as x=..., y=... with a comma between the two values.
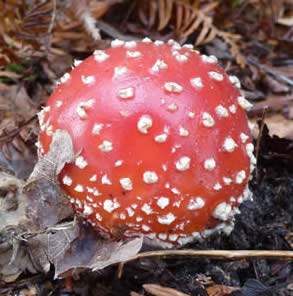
x=158, y=290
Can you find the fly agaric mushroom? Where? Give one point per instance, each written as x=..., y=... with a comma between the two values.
x=165, y=148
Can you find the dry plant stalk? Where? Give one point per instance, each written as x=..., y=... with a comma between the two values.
x=217, y=254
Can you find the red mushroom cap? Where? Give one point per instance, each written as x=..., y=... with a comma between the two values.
x=165, y=148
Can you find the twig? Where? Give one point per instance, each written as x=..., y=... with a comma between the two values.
x=215, y=254
x=257, y=147
x=15, y=132
x=270, y=71
x=113, y=32
x=53, y=17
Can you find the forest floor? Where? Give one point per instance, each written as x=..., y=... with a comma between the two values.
x=253, y=40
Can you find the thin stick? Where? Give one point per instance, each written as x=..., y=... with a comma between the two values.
x=215, y=254
x=270, y=71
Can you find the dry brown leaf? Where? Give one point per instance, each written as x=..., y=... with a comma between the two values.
x=221, y=290
x=187, y=19
x=40, y=206
x=67, y=250
x=158, y=290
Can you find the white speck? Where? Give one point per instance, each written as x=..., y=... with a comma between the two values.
x=181, y=58
x=76, y=63
x=209, y=164
x=173, y=237
x=145, y=227
x=216, y=76
x=173, y=87
x=65, y=78
x=87, y=210
x=126, y=183
x=161, y=138
x=208, y=120
x=183, y=163
x=118, y=163
x=243, y=137
x=244, y=103
x=150, y=177
x=188, y=46
x=183, y=132
x=78, y=203
x=81, y=162
x=117, y=43
x=196, y=82
x=163, y=202
x=172, y=107
x=185, y=240
x=233, y=109
x=175, y=190
x=217, y=187
x=138, y=219
x=229, y=144
x=84, y=106
x=158, y=42
x=67, y=180
x=195, y=203
x=89, y=198
x=235, y=81
x=126, y=93
x=249, y=149
x=100, y=56
x=130, y=212
x=232, y=199
x=122, y=216
x=166, y=219
x=159, y=65
x=134, y=206
x=251, y=125
x=146, y=40
x=99, y=217
x=49, y=130
x=59, y=104
x=191, y=114
x=209, y=59
x=110, y=205
x=222, y=211
x=88, y=79
x=227, y=181
x=171, y=41
x=222, y=111
x=124, y=113
x=175, y=46
x=78, y=188
x=240, y=199
x=167, y=185
x=147, y=209
x=177, y=204
x=130, y=44
x=164, y=167
x=106, y=180
x=162, y=236
x=41, y=117
x=240, y=177
x=144, y=123
x=120, y=71
x=133, y=54
x=106, y=146
x=97, y=128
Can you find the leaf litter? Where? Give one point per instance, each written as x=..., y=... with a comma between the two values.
x=30, y=242
x=31, y=233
